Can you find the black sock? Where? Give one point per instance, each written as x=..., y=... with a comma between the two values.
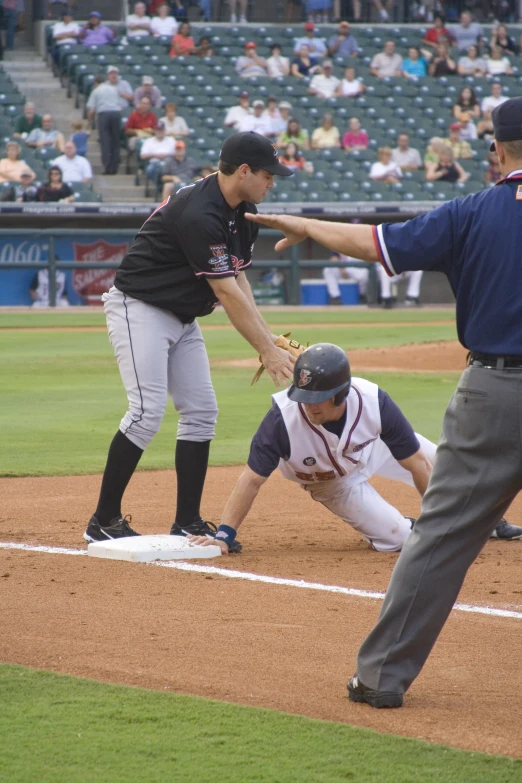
x=191, y=468
x=121, y=464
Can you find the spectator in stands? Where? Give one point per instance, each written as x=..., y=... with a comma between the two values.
x=178, y=10
x=343, y=44
x=383, y=10
x=64, y=32
x=138, y=23
x=74, y=167
x=55, y=189
x=157, y=149
x=46, y=136
x=318, y=10
x=179, y=170
x=500, y=38
x=235, y=114
x=387, y=62
x=433, y=151
x=274, y=115
x=277, y=65
x=94, y=33
x=295, y=133
x=105, y=104
x=467, y=33
x=302, y=64
x=39, y=289
x=327, y=135
x=350, y=86
x=148, y=90
x=280, y=123
x=122, y=86
x=385, y=170
x=355, y=138
x=10, y=18
x=442, y=64
x=408, y=158
x=163, y=24
x=493, y=173
x=325, y=84
x=497, y=64
x=22, y=191
x=468, y=130
x=204, y=47
x=437, y=34
x=415, y=65
x=447, y=169
x=174, y=124
x=466, y=102
x=55, y=8
x=140, y=123
x=489, y=103
x=80, y=137
x=460, y=148
x=293, y=158
x=316, y=47
x=333, y=275
x=27, y=121
x=234, y=15
x=250, y=64
x=11, y=166
x=471, y=64
x=182, y=43
x=257, y=121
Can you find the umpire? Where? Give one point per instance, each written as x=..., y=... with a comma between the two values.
x=477, y=243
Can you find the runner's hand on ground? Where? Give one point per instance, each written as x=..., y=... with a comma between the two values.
x=207, y=541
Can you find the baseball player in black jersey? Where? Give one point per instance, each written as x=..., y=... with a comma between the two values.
x=189, y=255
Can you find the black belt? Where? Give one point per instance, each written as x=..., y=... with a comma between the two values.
x=492, y=362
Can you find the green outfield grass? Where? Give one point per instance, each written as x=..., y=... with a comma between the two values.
x=58, y=729
x=62, y=398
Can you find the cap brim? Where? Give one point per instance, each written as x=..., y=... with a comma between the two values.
x=279, y=169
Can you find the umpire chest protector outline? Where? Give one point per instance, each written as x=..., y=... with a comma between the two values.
x=335, y=457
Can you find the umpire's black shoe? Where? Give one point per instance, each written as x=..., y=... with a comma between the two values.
x=507, y=532
x=360, y=693
x=201, y=528
x=118, y=528
x=412, y=521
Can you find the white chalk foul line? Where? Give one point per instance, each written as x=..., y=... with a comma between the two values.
x=272, y=580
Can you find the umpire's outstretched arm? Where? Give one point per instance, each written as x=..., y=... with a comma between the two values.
x=356, y=241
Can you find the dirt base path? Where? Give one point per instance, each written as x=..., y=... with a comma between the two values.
x=282, y=647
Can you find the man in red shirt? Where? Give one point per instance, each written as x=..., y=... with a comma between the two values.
x=141, y=123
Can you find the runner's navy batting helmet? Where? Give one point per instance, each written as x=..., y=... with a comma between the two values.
x=320, y=373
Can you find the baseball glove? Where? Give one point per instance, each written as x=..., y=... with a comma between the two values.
x=292, y=346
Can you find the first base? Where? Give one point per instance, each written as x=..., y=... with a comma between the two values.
x=146, y=549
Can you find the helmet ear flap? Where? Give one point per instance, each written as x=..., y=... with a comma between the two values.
x=341, y=396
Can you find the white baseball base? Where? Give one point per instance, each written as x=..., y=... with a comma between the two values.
x=146, y=549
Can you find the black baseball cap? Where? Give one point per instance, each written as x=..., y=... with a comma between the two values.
x=252, y=148
x=507, y=121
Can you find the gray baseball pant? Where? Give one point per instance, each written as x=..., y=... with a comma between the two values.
x=476, y=474
x=109, y=129
x=159, y=356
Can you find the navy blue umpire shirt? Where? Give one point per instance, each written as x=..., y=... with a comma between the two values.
x=477, y=243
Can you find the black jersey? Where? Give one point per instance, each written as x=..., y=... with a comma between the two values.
x=194, y=235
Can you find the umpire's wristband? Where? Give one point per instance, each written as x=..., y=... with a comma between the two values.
x=227, y=534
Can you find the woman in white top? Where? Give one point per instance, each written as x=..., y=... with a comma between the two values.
x=497, y=63
x=350, y=87
x=385, y=170
x=174, y=125
x=163, y=23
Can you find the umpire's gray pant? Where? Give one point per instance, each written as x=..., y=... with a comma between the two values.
x=476, y=475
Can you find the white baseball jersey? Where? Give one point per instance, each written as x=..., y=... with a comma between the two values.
x=317, y=455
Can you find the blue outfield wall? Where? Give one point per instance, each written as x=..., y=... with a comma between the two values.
x=82, y=286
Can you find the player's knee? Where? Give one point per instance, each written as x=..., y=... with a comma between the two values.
x=140, y=427
x=393, y=539
x=198, y=425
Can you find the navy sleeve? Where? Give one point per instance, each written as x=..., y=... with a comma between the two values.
x=428, y=242
x=270, y=444
x=397, y=432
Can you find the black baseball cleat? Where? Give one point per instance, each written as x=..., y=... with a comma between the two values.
x=411, y=301
x=387, y=303
x=201, y=528
x=118, y=528
x=507, y=532
x=412, y=521
x=361, y=694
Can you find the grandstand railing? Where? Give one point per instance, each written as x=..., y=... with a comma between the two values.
x=293, y=264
